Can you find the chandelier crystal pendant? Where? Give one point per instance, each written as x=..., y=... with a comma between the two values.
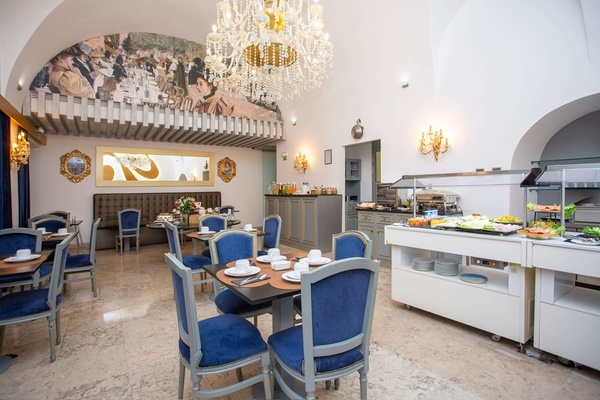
x=266, y=50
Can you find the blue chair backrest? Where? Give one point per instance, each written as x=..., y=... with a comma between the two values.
x=129, y=221
x=215, y=223
x=345, y=308
x=93, y=232
x=349, y=246
x=226, y=209
x=174, y=246
x=270, y=227
x=58, y=269
x=234, y=246
x=51, y=223
x=63, y=214
x=13, y=239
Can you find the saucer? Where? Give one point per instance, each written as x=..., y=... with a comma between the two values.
x=251, y=271
x=323, y=260
x=251, y=230
x=290, y=277
x=267, y=259
x=15, y=259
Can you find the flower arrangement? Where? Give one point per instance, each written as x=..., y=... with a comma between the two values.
x=185, y=205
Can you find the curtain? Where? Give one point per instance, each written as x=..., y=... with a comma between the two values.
x=5, y=195
x=24, y=210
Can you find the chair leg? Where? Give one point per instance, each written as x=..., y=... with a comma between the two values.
x=2, y=329
x=52, y=333
x=181, y=380
x=363, y=385
x=267, y=377
x=57, y=330
x=94, y=283
x=256, y=321
x=239, y=374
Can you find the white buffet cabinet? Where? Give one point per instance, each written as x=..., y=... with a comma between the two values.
x=503, y=306
x=567, y=317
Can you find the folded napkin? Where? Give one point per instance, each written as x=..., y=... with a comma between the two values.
x=254, y=279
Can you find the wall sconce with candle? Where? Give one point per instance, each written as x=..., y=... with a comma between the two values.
x=301, y=162
x=20, y=151
x=433, y=142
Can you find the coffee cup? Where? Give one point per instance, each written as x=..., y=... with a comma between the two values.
x=248, y=227
x=204, y=229
x=43, y=230
x=242, y=266
x=299, y=268
x=23, y=253
x=62, y=231
x=273, y=253
x=314, y=255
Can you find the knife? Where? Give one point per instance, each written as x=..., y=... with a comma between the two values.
x=253, y=279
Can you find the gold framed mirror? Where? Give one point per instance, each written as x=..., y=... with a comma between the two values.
x=121, y=166
x=226, y=169
x=75, y=166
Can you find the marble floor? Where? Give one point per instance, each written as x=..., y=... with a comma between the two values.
x=123, y=345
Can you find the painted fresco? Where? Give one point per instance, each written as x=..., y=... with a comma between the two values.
x=144, y=68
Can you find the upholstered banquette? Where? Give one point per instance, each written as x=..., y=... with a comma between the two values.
x=107, y=205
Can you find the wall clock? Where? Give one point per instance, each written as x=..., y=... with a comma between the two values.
x=357, y=130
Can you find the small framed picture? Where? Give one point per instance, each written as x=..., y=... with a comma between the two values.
x=328, y=156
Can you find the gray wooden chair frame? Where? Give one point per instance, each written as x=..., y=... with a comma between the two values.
x=54, y=289
x=217, y=286
x=120, y=236
x=361, y=235
x=91, y=269
x=59, y=213
x=179, y=254
x=311, y=351
x=278, y=234
x=35, y=278
x=191, y=334
x=33, y=222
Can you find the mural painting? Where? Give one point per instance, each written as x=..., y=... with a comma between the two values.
x=145, y=68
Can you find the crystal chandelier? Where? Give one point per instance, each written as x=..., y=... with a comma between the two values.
x=266, y=50
x=19, y=154
x=133, y=161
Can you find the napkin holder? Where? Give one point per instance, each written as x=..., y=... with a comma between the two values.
x=280, y=265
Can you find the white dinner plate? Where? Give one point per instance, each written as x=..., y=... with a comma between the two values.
x=251, y=271
x=250, y=230
x=15, y=259
x=207, y=233
x=290, y=277
x=323, y=260
x=267, y=259
x=586, y=243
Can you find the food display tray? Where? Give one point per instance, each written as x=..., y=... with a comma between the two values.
x=486, y=232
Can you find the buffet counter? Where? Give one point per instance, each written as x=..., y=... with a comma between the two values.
x=532, y=290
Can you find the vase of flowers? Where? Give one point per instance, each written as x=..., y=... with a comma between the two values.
x=185, y=206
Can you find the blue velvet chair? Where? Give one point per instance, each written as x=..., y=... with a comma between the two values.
x=51, y=223
x=76, y=264
x=215, y=223
x=129, y=227
x=338, y=300
x=40, y=303
x=272, y=228
x=345, y=245
x=63, y=214
x=231, y=245
x=227, y=209
x=214, y=345
x=13, y=239
x=194, y=262
x=351, y=244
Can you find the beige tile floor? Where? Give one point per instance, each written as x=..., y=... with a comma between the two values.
x=123, y=345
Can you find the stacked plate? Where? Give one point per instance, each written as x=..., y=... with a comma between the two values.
x=446, y=266
x=423, y=263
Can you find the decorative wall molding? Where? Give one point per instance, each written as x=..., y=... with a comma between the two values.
x=77, y=116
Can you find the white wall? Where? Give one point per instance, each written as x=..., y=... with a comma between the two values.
x=53, y=191
x=485, y=71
